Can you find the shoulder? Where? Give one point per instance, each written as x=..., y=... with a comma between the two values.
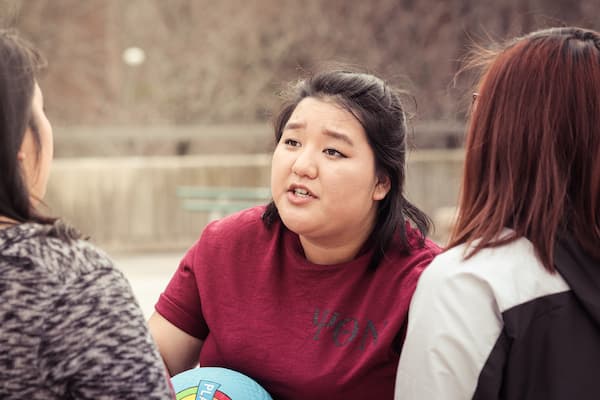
x=246, y=224
x=511, y=273
x=488, y=263
x=241, y=231
x=421, y=250
x=32, y=248
x=248, y=220
x=407, y=266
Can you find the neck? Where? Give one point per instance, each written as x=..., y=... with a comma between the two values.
x=5, y=221
x=341, y=247
x=327, y=252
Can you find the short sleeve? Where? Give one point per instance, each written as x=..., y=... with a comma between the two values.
x=180, y=302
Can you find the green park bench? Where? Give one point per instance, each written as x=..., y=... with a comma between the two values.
x=219, y=201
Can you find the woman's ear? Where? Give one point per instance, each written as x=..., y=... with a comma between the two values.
x=25, y=144
x=382, y=187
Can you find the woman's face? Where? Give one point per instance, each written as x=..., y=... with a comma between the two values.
x=36, y=166
x=323, y=177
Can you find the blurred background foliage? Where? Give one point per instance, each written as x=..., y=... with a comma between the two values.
x=214, y=62
x=209, y=81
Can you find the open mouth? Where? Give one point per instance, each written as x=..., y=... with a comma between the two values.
x=301, y=192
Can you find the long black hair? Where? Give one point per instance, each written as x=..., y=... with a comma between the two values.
x=378, y=107
x=19, y=63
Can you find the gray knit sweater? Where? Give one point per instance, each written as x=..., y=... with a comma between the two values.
x=70, y=326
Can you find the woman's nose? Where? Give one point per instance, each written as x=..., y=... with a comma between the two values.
x=305, y=165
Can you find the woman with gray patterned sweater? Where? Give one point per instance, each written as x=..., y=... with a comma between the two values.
x=69, y=324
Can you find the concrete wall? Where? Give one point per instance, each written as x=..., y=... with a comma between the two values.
x=129, y=204
x=177, y=140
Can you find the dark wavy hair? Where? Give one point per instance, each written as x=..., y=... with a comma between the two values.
x=20, y=62
x=378, y=107
x=533, y=144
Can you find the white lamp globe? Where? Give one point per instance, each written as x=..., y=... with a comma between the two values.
x=134, y=56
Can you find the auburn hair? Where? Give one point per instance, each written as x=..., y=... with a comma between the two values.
x=532, y=156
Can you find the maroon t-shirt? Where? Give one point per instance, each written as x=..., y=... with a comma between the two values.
x=302, y=330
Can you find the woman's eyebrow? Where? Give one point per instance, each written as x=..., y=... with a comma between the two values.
x=295, y=125
x=339, y=136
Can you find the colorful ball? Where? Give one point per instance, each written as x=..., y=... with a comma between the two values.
x=214, y=383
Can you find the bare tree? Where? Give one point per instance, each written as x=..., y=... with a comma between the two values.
x=214, y=62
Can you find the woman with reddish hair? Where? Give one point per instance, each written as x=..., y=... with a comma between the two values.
x=511, y=309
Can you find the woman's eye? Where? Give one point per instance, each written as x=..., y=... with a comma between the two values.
x=334, y=153
x=291, y=142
